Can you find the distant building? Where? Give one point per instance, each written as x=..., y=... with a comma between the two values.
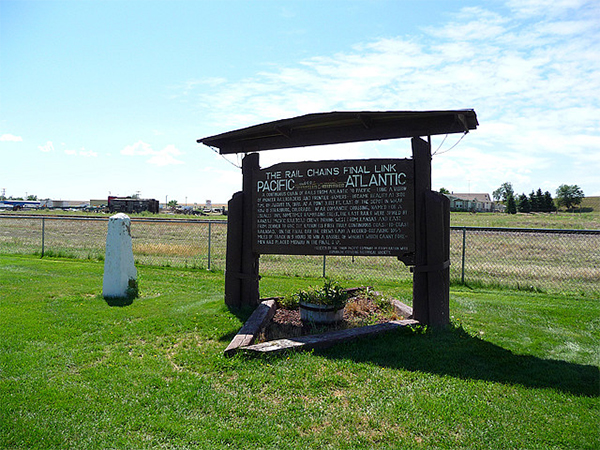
x=63, y=204
x=132, y=205
x=471, y=202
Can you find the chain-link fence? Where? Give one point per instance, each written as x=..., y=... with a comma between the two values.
x=160, y=242
x=530, y=259
x=549, y=260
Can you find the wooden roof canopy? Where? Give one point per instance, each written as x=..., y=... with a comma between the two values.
x=339, y=127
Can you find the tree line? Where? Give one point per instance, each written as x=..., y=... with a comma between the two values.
x=566, y=195
x=28, y=198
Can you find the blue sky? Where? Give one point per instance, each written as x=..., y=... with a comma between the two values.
x=100, y=97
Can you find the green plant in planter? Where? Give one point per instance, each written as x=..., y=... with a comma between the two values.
x=331, y=294
x=290, y=301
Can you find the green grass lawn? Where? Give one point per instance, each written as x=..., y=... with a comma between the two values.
x=516, y=370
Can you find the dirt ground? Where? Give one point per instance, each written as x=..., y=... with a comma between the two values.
x=359, y=311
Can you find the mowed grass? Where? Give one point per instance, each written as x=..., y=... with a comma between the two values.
x=515, y=370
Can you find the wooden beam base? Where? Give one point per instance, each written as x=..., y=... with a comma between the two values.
x=402, y=309
x=326, y=339
x=255, y=323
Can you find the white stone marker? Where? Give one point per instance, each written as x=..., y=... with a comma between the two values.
x=119, y=266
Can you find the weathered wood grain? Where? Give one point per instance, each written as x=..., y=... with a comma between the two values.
x=257, y=321
x=402, y=309
x=326, y=339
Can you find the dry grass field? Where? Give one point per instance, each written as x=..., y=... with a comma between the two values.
x=525, y=260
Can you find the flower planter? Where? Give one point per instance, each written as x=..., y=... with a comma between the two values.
x=311, y=312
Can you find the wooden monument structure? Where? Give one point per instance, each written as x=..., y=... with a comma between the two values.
x=380, y=207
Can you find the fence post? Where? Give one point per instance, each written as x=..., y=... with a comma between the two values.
x=43, y=234
x=209, y=239
x=324, y=259
x=462, y=275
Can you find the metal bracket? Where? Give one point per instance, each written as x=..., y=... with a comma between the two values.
x=431, y=268
x=246, y=276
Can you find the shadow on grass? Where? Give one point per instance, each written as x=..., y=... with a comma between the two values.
x=228, y=336
x=118, y=301
x=243, y=314
x=456, y=353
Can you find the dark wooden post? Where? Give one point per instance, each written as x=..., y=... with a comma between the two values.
x=233, y=262
x=446, y=271
x=431, y=274
x=241, y=266
x=249, y=274
x=437, y=207
x=422, y=163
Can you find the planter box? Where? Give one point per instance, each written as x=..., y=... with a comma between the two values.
x=310, y=312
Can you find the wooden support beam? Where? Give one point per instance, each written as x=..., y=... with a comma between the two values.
x=249, y=270
x=437, y=206
x=422, y=162
x=233, y=262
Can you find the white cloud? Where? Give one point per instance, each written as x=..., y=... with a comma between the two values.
x=472, y=24
x=87, y=153
x=82, y=152
x=513, y=66
x=10, y=138
x=139, y=148
x=47, y=147
x=166, y=156
x=532, y=8
x=533, y=77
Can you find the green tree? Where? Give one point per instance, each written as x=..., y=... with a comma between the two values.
x=569, y=195
x=549, y=205
x=537, y=201
x=444, y=191
x=523, y=204
x=503, y=192
x=511, y=206
x=32, y=197
x=172, y=204
x=533, y=202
